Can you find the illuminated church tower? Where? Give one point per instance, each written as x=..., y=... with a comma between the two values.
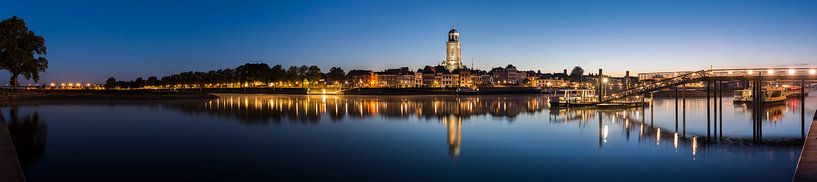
x=453, y=54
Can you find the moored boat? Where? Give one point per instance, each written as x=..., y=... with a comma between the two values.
x=574, y=97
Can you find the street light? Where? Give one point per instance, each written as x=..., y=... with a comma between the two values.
x=792, y=71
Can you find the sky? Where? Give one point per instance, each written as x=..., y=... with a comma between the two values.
x=89, y=41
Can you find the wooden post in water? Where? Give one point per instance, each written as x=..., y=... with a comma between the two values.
x=684, y=109
x=601, y=140
x=652, y=113
x=676, y=107
x=714, y=91
x=754, y=108
x=599, y=85
x=720, y=93
x=803, y=109
x=708, y=109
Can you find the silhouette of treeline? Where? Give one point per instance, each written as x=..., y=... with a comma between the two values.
x=249, y=73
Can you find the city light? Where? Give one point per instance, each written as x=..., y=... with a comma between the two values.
x=604, y=80
x=812, y=71
x=792, y=71
x=749, y=72
x=771, y=71
x=730, y=72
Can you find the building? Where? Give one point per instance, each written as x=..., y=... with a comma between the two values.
x=506, y=76
x=401, y=77
x=362, y=78
x=453, y=51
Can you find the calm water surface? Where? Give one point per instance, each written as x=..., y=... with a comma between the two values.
x=395, y=138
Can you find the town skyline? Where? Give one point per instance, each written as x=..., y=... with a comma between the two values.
x=546, y=36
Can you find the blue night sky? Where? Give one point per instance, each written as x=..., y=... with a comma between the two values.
x=92, y=40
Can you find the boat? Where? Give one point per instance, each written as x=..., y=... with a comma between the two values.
x=744, y=95
x=770, y=95
x=574, y=97
x=467, y=90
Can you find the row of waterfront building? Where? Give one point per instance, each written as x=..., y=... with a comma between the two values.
x=440, y=76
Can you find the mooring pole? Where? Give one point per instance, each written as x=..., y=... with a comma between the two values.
x=715, y=109
x=600, y=91
x=803, y=109
x=720, y=111
x=684, y=109
x=756, y=107
x=652, y=113
x=708, y=109
x=601, y=140
x=676, y=107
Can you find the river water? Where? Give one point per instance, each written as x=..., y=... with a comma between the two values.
x=396, y=138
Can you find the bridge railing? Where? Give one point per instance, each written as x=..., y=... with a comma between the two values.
x=656, y=85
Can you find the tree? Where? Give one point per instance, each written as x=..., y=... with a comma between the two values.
x=335, y=75
x=152, y=81
x=577, y=73
x=277, y=73
x=21, y=51
x=313, y=74
x=110, y=83
x=138, y=83
x=292, y=74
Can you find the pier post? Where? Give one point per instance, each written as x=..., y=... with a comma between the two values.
x=755, y=115
x=715, y=110
x=601, y=138
x=708, y=109
x=599, y=85
x=652, y=113
x=720, y=111
x=676, y=107
x=684, y=109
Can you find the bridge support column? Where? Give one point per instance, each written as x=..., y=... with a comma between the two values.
x=715, y=109
x=803, y=109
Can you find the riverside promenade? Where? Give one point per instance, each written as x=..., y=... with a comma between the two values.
x=807, y=165
x=10, y=170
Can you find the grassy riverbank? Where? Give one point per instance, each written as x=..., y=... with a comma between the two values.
x=99, y=94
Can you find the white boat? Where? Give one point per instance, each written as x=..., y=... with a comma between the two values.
x=774, y=94
x=575, y=97
x=744, y=95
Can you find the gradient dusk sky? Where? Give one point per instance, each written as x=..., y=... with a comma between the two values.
x=89, y=41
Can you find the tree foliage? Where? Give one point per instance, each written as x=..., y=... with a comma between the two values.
x=21, y=51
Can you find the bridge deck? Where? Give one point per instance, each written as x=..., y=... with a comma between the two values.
x=9, y=163
x=807, y=166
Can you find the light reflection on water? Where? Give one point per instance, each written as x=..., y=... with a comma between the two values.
x=488, y=137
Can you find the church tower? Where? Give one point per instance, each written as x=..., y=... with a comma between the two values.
x=453, y=54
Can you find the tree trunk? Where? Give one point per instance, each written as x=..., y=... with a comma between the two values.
x=13, y=81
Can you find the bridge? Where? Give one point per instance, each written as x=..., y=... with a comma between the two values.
x=713, y=80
